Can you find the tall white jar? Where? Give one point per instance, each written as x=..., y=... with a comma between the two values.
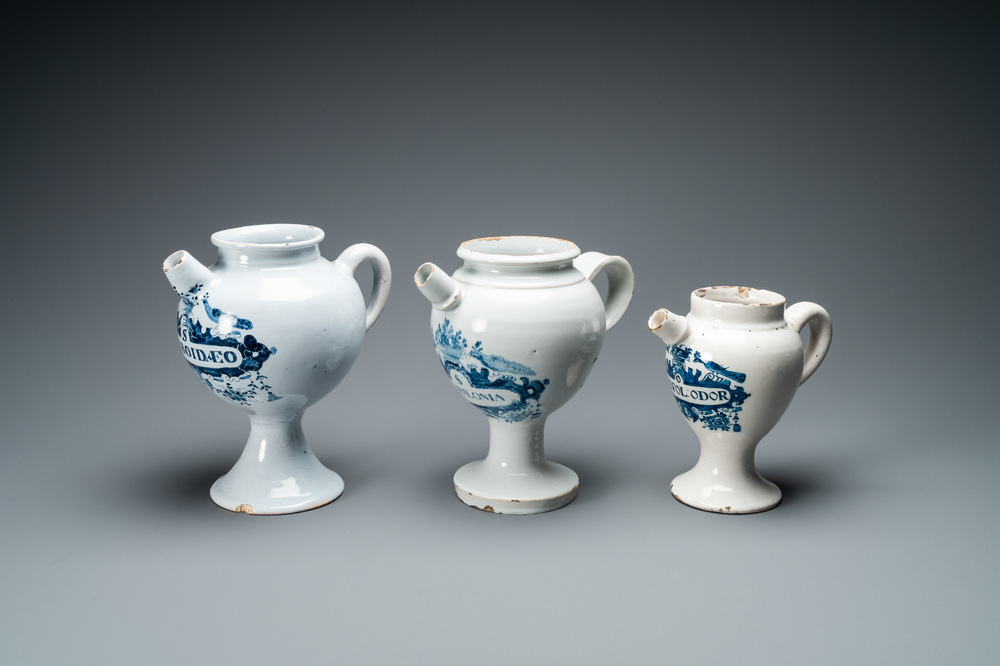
x=517, y=330
x=271, y=327
x=734, y=364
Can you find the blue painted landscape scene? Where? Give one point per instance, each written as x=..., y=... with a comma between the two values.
x=500, y=387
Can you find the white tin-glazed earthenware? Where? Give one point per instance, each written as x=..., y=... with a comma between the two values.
x=517, y=330
x=735, y=362
x=272, y=327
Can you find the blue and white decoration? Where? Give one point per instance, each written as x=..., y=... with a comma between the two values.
x=708, y=393
x=502, y=388
x=224, y=357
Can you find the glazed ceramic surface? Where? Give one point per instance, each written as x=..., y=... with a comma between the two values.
x=271, y=328
x=734, y=363
x=517, y=330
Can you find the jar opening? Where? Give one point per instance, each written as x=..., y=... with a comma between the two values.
x=518, y=249
x=269, y=236
x=740, y=296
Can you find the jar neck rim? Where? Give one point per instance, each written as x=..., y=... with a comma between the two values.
x=535, y=251
x=268, y=237
x=738, y=304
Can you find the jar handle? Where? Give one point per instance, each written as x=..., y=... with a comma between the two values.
x=621, y=282
x=820, y=334
x=351, y=258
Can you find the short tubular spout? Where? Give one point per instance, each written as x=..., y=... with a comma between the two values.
x=442, y=290
x=185, y=272
x=669, y=327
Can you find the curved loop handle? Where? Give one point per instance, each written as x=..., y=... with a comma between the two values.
x=621, y=282
x=351, y=258
x=820, y=334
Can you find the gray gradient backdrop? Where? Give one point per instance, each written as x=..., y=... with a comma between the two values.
x=846, y=156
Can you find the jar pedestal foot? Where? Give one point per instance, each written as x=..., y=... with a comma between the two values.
x=725, y=481
x=277, y=472
x=550, y=487
x=515, y=478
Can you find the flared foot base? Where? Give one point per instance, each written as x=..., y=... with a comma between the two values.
x=277, y=472
x=301, y=490
x=548, y=486
x=750, y=493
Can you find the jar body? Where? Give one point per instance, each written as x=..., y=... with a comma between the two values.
x=272, y=338
x=520, y=353
x=734, y=379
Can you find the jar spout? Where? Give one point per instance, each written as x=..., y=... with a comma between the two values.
x=443, y=291
x=185, y=272
x=669, y=327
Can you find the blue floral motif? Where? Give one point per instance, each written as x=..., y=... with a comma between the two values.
x=708, y=393
x=226, y=359
x=500, y=387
